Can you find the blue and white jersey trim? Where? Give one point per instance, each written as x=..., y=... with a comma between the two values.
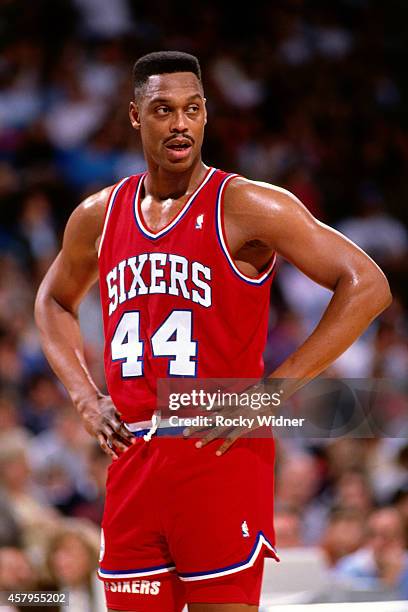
x=110, y=206
x=261, y=541
x=223, y=243
x=154, y=235
x=120, y=574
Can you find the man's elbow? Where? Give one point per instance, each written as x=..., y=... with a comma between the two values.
x=40, y=305
x=387, y=295
x=44, y=304
x=378, y=296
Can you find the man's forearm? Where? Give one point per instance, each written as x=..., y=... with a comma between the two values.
x=62, y=344
x=350, y=311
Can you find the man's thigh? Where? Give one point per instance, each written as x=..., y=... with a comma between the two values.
x=232, y=593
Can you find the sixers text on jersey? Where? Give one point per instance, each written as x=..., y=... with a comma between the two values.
x=158, y=273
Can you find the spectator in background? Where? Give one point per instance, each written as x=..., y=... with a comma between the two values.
x=36, y=226
x=18, y=573
x=288, y=529
x=15, y=287
x=390, y=352
x=383, y=562
x=23, y=496
x=10, y=531
x=353, y=492
x=237, y=87
x=72, y=560
x=20, y=99
x=11, y=367
x=103, y=18
x=381, y=353
x=75, y=115
x=344, y=455
x=97, y=468
x=101, y=76
x=307, y=300
x=41, y=404
x=300, y=182
x=58, y=457
x=295, y=469
x=286, y=332
x=9, y=417
x=383, y=459
x=375, y=230
x=265, y=156
x=344, y=534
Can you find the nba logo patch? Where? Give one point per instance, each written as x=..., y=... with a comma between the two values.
x=199, y=222
x=244, y=529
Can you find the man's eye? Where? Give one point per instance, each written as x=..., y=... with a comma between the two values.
x=162, y=110
x=193, y=108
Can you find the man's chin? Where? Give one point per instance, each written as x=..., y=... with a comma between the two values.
x=180, y=165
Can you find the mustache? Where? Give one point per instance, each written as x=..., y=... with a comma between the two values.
x=179, y=137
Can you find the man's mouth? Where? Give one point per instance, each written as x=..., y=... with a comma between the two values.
x=179, y=145
x=178, y=149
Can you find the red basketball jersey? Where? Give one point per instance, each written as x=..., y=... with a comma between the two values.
x=173, y=301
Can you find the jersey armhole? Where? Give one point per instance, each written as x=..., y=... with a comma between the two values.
x=111, y=201
x=262, y=277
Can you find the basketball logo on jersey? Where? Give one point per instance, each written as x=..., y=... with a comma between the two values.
x=199, y=222
x=245, y=529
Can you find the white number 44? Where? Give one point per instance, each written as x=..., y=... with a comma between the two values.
x=172, y=339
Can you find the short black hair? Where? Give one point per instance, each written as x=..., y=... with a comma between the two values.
x=163, y=62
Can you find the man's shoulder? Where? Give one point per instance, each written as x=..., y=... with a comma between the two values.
x=242, y=192
x=91, y=210
x=86, y=221
x=97, y=202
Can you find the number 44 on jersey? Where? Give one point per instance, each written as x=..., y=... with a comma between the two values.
x=173, y=339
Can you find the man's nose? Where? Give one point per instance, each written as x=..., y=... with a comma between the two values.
x=178, y=123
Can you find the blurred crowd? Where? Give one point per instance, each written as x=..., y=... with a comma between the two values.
x=307, y=95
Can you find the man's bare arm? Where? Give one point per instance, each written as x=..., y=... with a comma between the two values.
x=277, y=219
x=260, y=219
x=69, y=278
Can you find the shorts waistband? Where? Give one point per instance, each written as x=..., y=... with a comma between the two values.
x=156, y=427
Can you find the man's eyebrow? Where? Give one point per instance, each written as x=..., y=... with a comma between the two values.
x=163, y=100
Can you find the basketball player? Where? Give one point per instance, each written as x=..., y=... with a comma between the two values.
x=185, y=255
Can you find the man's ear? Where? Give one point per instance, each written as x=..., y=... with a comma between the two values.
x=205, y=111
x=134, y=115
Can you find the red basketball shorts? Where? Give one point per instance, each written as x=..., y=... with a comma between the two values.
x=182, y=525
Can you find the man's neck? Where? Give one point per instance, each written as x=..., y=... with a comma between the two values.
x=161, y=184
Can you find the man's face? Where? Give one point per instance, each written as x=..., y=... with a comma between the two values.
x=171, y=116
x=385, y=532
